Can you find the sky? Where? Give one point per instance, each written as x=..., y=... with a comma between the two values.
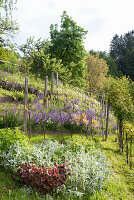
x=101, y=18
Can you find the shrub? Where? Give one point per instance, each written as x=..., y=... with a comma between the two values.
x=44, y=179
x=10, y=136
x=11, y=119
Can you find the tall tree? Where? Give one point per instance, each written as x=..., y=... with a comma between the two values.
x=122, y=49
x=97, y=70
x=111, y=62
x=38, y=60
x=67, y=45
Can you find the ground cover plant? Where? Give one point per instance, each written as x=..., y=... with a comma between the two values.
x=88, y=167
x=115, y=187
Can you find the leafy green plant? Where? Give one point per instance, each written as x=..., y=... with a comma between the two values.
x=11, y=119
x=10, y=136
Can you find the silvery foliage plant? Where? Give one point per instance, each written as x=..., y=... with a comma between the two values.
x=88, y=166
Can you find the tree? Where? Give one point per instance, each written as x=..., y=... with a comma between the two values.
x=8, y=27
x=97, y=70
x=32, y=53
x=122, y=50
x=8, y=6
x=7, y=30
x=67, y=45
x=39, y=61
x=111, y=62
x=119, y=95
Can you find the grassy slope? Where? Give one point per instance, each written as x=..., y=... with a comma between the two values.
x=122, y=183
x=118, y=161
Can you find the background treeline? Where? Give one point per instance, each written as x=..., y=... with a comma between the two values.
x=65, y=53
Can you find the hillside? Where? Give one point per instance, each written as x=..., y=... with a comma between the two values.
x=70, y=115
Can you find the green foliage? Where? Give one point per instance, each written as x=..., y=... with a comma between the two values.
x=10, y=120
x=122, y=49
x=118, y=91
x=4, y=54
x=128, y=128
x=9, y=56
x=119, y=96
x=7, y=28
x=8, y=137
x=39, y=62
x=8, y=6
x=132, y=89
x=67, y=45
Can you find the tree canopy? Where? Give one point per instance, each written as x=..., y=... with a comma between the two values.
x=111, y=62
x=67, y=45
x=97, y=70
x=39, y=61
x=122, y=49
x=118, y=93
x=8, y=27
x=8, y=6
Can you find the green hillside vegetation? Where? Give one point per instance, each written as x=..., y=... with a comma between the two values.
x=119, y=185
x=66, y=115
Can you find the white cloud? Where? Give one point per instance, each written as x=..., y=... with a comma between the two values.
x=102, y=18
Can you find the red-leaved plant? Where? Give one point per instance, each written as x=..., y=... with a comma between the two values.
x=45, y=179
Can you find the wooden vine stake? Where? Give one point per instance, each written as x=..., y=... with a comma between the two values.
x=25, y=105
x=52, y=84
x=29, y=125
x=102, y=125
x=45, y=91
x=57, y=82
x=107, y=120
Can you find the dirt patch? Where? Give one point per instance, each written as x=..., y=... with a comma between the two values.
x=8, y=99
x=50, y=132
x=12, y=100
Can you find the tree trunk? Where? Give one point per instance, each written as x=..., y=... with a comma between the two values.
x=107, y=120
x=45, y=91
x=102, y=125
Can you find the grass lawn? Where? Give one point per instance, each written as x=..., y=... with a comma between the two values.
x=120, y=186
